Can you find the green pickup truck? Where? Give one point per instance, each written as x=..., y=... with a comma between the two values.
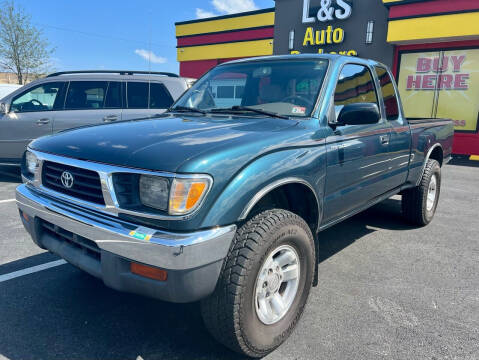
x=222, y=199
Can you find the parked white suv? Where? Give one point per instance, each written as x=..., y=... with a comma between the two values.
x=70, y=99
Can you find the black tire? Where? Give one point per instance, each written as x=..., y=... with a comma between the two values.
x=414, y=201
x=230, y=314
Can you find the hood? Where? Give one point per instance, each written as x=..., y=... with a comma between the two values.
x=162, y=144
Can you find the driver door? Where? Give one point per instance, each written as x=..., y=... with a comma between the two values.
x=30, y=116
x=358, y=156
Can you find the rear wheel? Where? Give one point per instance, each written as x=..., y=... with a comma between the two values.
x=419, y=203
x=264, y=284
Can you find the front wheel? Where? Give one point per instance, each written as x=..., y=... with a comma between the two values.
x=264, y=284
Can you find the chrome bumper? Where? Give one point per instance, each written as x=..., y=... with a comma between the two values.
x=172, y=251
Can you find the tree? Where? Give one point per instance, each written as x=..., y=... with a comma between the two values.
x=23, y=49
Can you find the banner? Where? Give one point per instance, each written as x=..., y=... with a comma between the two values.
x=442, y=84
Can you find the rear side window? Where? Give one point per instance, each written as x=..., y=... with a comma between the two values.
x=113, y=95
x=137, y=95
x=86, y=95
x=143, y=95
x=355, y=85
x=389, y=94
x=160, y=98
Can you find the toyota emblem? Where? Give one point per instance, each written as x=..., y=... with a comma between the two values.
x=67, y=179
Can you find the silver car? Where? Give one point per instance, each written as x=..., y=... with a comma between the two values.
x=71, y=99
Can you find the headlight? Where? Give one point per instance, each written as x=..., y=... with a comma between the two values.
x=154, y=192
x=186, y=194
x=178, y=196
x=31, y=162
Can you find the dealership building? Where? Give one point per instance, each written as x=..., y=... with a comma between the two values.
x=432, y=47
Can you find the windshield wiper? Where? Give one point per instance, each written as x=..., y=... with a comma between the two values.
x=186, y=109
x=247, y=108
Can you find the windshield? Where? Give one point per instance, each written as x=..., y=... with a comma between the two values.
x=283, y=87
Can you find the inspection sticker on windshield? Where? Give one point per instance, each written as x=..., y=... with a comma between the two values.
x=142, y=233
x=298, y=110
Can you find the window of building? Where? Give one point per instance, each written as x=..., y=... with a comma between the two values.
x=239, y=92
x=441, y=84
x=225, y=92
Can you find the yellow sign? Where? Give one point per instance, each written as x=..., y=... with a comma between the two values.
x=442, y=84
x=328, y=36
x=322, y=37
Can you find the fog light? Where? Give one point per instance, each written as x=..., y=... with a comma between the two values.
x=149, y=272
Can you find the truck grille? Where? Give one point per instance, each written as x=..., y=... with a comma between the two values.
x=86, y=183
x=89, y=247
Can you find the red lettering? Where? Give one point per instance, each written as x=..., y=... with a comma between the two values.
x=423, y=65
x=414, y=82
x=445, y=81
x=444, y=65
x=457, y=62
x=460, y=82
x=428, y=82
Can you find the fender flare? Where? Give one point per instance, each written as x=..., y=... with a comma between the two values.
x=274, y=185
x=426, y=158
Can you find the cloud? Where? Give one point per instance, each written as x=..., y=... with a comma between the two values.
x=233, y=6
x=151, y=56
x=201, y=14
x=227, y=7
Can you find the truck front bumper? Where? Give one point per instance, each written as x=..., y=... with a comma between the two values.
x=105, y=247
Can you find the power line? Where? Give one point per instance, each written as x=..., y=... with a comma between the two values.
x=105, y=36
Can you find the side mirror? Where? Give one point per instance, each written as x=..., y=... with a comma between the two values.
x=359, y=114
x=3, y=108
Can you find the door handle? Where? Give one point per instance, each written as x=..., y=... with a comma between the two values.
x=43, y=121
x=384, y=139
x=110, y=118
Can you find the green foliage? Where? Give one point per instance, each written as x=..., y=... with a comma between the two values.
x=23, y=49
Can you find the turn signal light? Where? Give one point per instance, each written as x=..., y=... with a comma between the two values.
x=149, y=272
x=187, y=194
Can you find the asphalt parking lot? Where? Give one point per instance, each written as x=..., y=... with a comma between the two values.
x=387, y=291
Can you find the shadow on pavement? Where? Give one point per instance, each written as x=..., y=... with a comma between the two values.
x=10, y=174
x=63, y=313
x=27, y=262
x=462, y=161
x=386, y=215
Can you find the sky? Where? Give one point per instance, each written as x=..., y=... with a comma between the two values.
x=107, y=34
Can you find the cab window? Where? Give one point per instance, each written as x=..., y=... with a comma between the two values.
x=39, y=98
x=388, y=93
x=355, y=85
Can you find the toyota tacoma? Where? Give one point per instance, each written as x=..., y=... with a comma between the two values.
x=223, y=198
